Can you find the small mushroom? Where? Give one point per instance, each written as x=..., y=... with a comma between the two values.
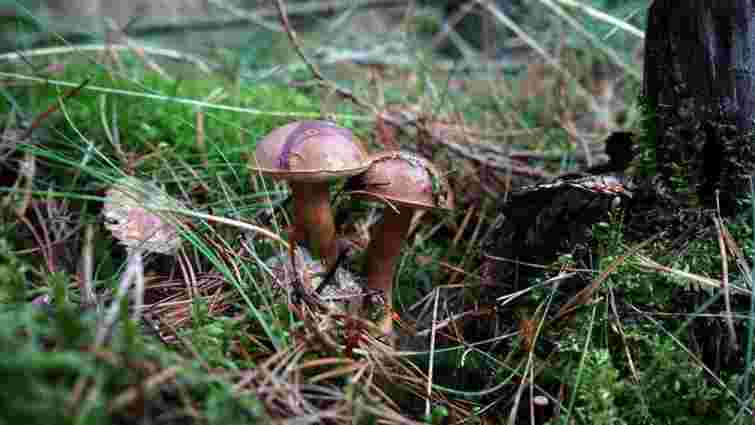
x=139, y=215
x=405, y=182
x=309, y=154
x=131, y=214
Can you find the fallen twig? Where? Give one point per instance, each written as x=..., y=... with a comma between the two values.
x=313, y=67
x=492, y=161
x=41, y=117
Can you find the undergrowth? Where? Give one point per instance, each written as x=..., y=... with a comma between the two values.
x=221, y=339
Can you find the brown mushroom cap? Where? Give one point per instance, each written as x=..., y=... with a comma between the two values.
x=311, y=151
x=403, y=178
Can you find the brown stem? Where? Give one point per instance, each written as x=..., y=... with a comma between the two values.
x=313, y=218
x=383, y=253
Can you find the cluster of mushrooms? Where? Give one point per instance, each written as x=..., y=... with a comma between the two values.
x=310, y=155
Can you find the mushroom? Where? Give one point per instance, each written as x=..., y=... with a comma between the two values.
x=309, y=154
x=405, y=182
x=139, y=215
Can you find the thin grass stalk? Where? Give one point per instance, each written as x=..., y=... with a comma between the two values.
x=134, y=266
x=692, y=356
x=111, y=136
x=431, y=369
x=466, y=346
x=513, y=26
x=248, y=15
x=645, y=263
x=43, y=247
x=184, y=101
x=517, y=398
x=581, y=365
x=620, y=330
x=472, y=241
x=48, y=244
x=530, y=367
x=86, y=273
x=610, y=53
x=725, y=284
x=138, y=294
x=736, y=252
x=96, y=47
x=200, y=137
x=751, y=322
x=602, y=16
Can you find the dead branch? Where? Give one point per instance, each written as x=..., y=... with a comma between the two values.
x=347, y=94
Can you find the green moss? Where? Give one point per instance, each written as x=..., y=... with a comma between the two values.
x=149, y=110
x=41, y=362
x=13, y=272
x=648, y=139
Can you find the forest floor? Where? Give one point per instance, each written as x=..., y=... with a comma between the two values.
x=102, y=321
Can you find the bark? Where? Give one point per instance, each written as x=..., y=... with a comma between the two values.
x=697, y=91
x=698, y=88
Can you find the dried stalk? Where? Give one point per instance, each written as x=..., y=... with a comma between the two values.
x=347, y=94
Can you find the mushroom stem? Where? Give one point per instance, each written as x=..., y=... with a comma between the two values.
x=313, y=218
x=383, y=253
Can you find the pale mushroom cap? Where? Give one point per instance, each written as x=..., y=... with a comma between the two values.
x=403, y=178
x=311, y=151
x=130, y=210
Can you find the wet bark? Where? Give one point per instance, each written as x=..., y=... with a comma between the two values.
x=698, y=90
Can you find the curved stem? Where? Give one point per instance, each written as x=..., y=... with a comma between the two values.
x=313, y=219
x=383, y=253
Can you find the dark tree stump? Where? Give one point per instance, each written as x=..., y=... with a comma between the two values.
x=698, y=90
x=697, y=149
x=540, y=222
x=698, y=142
